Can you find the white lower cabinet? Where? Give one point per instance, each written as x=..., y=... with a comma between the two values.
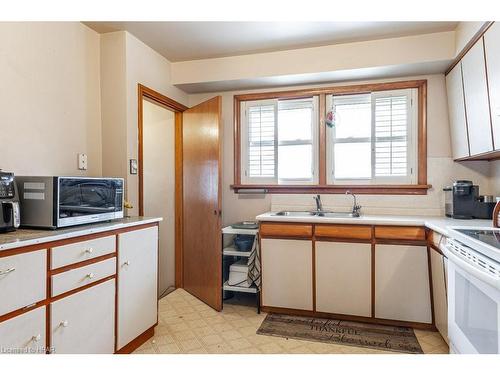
x=343, y=278
x=287, y=273
x=24, y=334
x=22, y=280
x=84, y=322
x=402, y=283
x=137, y=283
x=439, y=293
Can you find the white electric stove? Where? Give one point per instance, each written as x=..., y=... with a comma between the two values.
x=474, y=290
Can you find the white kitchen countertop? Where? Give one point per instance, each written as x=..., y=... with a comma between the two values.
x=436, y=223
x=27, y=237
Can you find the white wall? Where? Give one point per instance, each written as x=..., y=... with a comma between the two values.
x=382, y=54
x=159, y=183
x=149, y=68
x=130, y=62
x=441, y=168
x=50, y=99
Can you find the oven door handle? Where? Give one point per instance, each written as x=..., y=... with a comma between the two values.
x=483, y=276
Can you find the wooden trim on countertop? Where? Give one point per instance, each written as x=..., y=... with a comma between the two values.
x=343, y=231
x=407, y=233
x=286, y=230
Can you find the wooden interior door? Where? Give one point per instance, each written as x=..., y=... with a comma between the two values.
x=202, y=254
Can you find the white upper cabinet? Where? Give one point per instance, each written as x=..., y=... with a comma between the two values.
x=456, y=110
x=492, y=50
x=476, y=100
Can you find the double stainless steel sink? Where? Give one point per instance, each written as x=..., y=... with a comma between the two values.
x=317, y=214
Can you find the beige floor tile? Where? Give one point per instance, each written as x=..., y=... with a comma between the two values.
x=211, y=340
x=186, y=325
x=199, y=323
x=168, y=349
x=163, y=339
x=188, y=345
x=231, y=335
x=178, y=327
x=271, y=348
x=184, y=335
x=222, y=327
x=222, y=348
x=240, y=344
x=204, y=331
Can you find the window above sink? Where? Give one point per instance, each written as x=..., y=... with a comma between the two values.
x=369, y=139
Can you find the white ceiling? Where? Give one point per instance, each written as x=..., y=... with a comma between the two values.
x=183, y=41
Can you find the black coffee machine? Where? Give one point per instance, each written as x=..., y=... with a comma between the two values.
x=9, y=203
x=462, y=201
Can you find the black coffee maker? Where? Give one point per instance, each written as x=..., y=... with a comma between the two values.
x=9, y=203
x=462, y=201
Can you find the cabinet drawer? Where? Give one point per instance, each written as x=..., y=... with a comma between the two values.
x=400, y=233
x=22, y=280
x=80, y=251
x=24, y=334
x=85, y=321
x=360, y=232
x=286, y=230
x=78, y=277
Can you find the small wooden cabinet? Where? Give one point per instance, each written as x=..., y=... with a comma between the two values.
x=84, y=322
x=287, y=273
x=137, y=283
x=24, y=334
x=343, y=278
x=402, y=283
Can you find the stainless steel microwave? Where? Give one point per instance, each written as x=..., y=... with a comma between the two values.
x=56, y=202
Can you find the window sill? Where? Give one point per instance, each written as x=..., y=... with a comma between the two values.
x=337, y=189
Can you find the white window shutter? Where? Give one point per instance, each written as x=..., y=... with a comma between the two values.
x=391, y=131
x=262, y=144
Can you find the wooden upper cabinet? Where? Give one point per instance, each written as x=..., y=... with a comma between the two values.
x=492, y=53
x=476, y=100
x=456, y=111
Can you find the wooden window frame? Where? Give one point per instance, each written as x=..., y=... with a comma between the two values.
x=420, y=188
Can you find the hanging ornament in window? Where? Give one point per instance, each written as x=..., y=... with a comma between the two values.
x=331, y=118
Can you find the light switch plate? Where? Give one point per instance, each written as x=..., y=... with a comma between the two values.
x=133, y=166
x=82, y=162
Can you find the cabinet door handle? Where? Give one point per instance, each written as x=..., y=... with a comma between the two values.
x=90, y=275
x=64, y=323
x=36, y=338
x=127, y=263
x=7, y=271
x=89, y=250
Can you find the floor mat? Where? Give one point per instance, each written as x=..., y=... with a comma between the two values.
x=366, y=335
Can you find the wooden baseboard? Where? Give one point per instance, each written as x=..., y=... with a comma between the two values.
x=354, y=318
x=138, y=341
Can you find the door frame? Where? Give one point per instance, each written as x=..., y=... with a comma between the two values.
x=144, y=92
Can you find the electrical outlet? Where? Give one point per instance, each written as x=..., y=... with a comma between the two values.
x=82, y=162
